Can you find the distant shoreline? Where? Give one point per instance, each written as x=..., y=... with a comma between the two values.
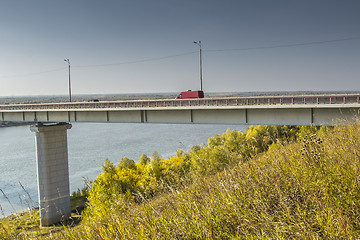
x=13, y=124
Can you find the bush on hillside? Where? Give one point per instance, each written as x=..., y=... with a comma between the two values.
x=143, y=180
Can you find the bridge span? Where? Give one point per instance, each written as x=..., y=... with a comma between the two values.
x=276, y=110
x=52, y=120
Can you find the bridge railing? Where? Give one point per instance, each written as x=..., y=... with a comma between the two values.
x=229, y=101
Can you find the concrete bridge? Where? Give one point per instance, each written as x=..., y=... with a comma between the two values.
x=52, y=120
x=276, y=110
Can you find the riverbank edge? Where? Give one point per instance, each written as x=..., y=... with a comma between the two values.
x=4, y=124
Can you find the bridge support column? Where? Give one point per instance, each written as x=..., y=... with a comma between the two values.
x=52, y=172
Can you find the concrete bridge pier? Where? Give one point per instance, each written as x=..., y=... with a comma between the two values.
x=52, y=172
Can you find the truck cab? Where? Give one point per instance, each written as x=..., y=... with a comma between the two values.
x=190, y=94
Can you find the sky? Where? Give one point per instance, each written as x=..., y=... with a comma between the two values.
x=143, y=46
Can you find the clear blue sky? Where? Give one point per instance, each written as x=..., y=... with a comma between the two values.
x=143, y=46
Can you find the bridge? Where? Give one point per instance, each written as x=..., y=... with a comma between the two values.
x=52, y=120
x=276, y=110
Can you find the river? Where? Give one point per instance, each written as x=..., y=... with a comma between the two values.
x=89, y=144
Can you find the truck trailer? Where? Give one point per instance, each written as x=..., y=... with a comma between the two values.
x=190, y=94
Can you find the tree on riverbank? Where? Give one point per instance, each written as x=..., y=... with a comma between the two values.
x=149, y=177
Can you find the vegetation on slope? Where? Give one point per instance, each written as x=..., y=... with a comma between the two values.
x=151, y=176
x=267, y=183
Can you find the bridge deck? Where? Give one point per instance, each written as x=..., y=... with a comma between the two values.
x=209, y=102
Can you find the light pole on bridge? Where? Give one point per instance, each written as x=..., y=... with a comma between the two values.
x=199, y=44
x=68, y=61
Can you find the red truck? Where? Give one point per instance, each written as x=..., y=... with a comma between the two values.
x=190, y=94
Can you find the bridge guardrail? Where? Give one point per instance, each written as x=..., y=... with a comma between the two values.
x=229, y=101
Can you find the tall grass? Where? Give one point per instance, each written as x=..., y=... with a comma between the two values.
x=309, y=189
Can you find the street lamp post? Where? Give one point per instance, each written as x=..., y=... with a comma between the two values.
x=68, y=61
x=199, y=44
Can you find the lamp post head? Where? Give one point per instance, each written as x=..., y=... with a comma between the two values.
x=198, y=43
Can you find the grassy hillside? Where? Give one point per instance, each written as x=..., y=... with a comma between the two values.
x=268, y=183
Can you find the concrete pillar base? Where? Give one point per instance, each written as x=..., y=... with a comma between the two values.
x=52, y=172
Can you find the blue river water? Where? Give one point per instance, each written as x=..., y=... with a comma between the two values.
x=89, y=144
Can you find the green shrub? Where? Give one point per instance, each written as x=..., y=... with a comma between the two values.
x=135, y=182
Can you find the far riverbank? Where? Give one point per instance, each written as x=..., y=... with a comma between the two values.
x=14, y=124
